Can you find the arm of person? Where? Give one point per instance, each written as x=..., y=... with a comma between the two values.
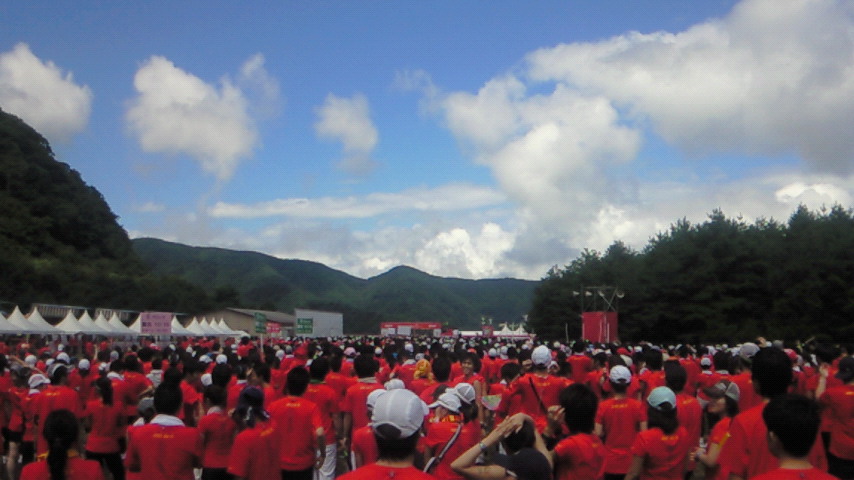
x=710, y=458
x=599, y=430
x=823, y=371
x=465, y=466
x=320, y=439
x=346, y=424
x=635, y=468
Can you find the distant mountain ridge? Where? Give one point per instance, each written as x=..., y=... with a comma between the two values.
x=402, y=293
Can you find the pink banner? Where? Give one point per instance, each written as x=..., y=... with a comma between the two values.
x=155, y=323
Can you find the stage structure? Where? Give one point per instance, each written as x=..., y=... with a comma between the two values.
x=599, y=317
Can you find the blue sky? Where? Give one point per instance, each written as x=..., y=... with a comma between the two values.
x=466, y=139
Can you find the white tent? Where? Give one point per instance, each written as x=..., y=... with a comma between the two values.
x=19, y=321
x=136, y=325
x=87, y=325
x=208, y=328
x=179, y=330
x=7, y=327
x=35, y=318
x=215, y=327
x=195, y=328
x=116, y=323
x=102, y=322
x=69, y=324
x=225, y=328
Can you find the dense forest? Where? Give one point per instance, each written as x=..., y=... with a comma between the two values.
x=721, y=280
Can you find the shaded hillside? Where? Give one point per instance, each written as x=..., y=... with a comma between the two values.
x=59, y=240
x=403, y=293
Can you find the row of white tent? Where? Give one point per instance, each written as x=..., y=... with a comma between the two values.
x=17, y=323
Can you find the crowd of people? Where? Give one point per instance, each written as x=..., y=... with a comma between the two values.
x=419, y=408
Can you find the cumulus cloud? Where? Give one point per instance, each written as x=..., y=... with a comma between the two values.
x=440, y=199
x=42, y=94
x=459, y=253
x=770, y=77
x=176, y=112
x=348, y=121
x=149, y=207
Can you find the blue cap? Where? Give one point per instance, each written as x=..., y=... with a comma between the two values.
x=661, y=395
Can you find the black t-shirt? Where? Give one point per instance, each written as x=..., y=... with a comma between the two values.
x=526, y=464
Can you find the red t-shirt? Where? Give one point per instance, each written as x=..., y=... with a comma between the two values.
x=664, y=455
x=234, y=394
x=832, y=382
x=419, y=385
x=258, y=442
x=718, y=436
x=356, y=403
x=56, y=397
x=297, y=420
x=748, y=397
x=620, y=420
x=217, y=431
x=326, y=400
x=581, y=365
x=690, y=415
x=438, y=435
x=537, y=394
x=364, y=444
x=108, y=422
x=838, y=403
x=339, y=383
x=163, y=452
x=579, y=456
x=746, y=452
x=652, y=379
x=381, y=472
x=75, y=469
x=792, y=474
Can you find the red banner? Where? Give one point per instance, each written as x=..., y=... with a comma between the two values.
x=274, y=328
x=600, y=327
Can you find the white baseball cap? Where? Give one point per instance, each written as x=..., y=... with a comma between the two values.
x=466, y=392
x=221, y=358
x=394, y=384
x=620, y=374
x=373, y=396
x=38, y=379
x=63, y=357
x=448, y=400
x=541, y=356
x=400, y=409
x=84, y=364
x=661, y=395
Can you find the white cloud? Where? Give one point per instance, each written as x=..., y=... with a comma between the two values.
x=441, y=199
x=770, y=77
x=149, y=207
x=348, y=121
x=43, y=95
x=458, y=253
x=176, y=112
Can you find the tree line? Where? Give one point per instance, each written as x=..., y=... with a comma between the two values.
x=722, y=280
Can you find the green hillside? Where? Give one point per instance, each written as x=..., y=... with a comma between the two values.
x=403, y=293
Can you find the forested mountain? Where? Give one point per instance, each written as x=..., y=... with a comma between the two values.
x=403, y=293
x=722, y=280
x=61, y=243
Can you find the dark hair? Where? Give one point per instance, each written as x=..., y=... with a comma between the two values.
x=675, y=376
x=262, y=370
x=221, y=375
x=474, y=359
x=60, y=432
x=772, y=372
x=250, y=407
x=297, y=381
x=390, y=447
x=105, y=388
x=441, y=369
x=653, y=359
x=132, y=364
x=168, y=399
x=172, y=376
x=335, y=362
x=60, y=372
x=216, y=395
x=510, y=370
x=524, y=437
x=794, y=420
x=665, y=418
x=319, y=368
x=731, y=406
x=365, y=366
x=579, y=405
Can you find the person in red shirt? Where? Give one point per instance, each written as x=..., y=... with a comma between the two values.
x=688, y=409
x=471, y=367
x=579, y=362
x=838, y=403
x=327, y=401
x=354, y=407
x=165, y=449
x=217, y=430
x=56, y=397
x=662, y=451
x=422, y=378
x=255, y=453
x=105, y=421
x=447, y=436
x=396, y=423
x=441, y=368
x=363, y=448
x=537, y=391
x=581, y=454
x=793, y=424
x=745, y=454
x=723, y=406
x=653, y=376
x=336, y=380
x=300, y=426
x=62, y=462
x=618, y=421
x=192, y=407
x=744, y=378
x=14, y=433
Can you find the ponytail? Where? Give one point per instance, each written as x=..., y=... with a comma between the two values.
x=60, y=431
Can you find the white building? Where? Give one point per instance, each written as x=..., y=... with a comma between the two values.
x=314, y=323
